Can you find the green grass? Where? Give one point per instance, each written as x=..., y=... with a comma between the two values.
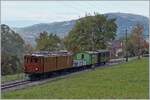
x=8, y=78
x=129, y=80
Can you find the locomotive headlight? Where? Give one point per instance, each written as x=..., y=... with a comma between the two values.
x=36, y=68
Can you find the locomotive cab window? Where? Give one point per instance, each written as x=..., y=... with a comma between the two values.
x=34, y=60
x=26, y=59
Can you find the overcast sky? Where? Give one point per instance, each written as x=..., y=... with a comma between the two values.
x=24, y=13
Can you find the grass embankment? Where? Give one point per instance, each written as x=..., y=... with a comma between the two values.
x=129, y=80
x=8, y=78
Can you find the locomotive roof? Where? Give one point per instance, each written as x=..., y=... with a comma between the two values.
x=97, y=51
x=102, y=50
x=92, y=52
x=48, y=53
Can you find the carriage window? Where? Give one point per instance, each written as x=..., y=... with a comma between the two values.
x=106, y=53
x=82, y=56
x=103, y=54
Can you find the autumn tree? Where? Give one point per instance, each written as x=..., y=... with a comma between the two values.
x=146, y=47
x=91, y=33
x=136, y=41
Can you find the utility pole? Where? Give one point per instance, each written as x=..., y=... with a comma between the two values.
x=126, y=46
x=93, y=45
x=139, y=47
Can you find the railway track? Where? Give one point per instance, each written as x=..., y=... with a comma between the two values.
x=22, y=83
x=14, y=84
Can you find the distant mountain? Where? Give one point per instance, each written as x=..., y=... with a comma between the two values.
x=123, y=20
x=31, y=32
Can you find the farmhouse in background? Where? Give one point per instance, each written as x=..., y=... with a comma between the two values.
x=116, y=48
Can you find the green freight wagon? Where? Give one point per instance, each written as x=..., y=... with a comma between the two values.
x=103, y=56
x=86, y=57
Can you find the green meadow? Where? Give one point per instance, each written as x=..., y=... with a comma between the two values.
x=124, y=81
x=8, y=78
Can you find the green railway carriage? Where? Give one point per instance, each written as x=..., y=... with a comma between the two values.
x=86, y=58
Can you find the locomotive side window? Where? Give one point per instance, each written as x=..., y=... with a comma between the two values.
x=39, y=60
x=35, y=60
x=31, y=60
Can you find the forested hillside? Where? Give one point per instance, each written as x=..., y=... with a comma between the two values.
x=12, y=49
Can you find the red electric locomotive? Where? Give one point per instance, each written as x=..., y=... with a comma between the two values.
x=39, y=63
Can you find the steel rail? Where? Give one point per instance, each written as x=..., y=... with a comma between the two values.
x=14, y=84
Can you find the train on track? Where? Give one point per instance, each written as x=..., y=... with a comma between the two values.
x=43, y=63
